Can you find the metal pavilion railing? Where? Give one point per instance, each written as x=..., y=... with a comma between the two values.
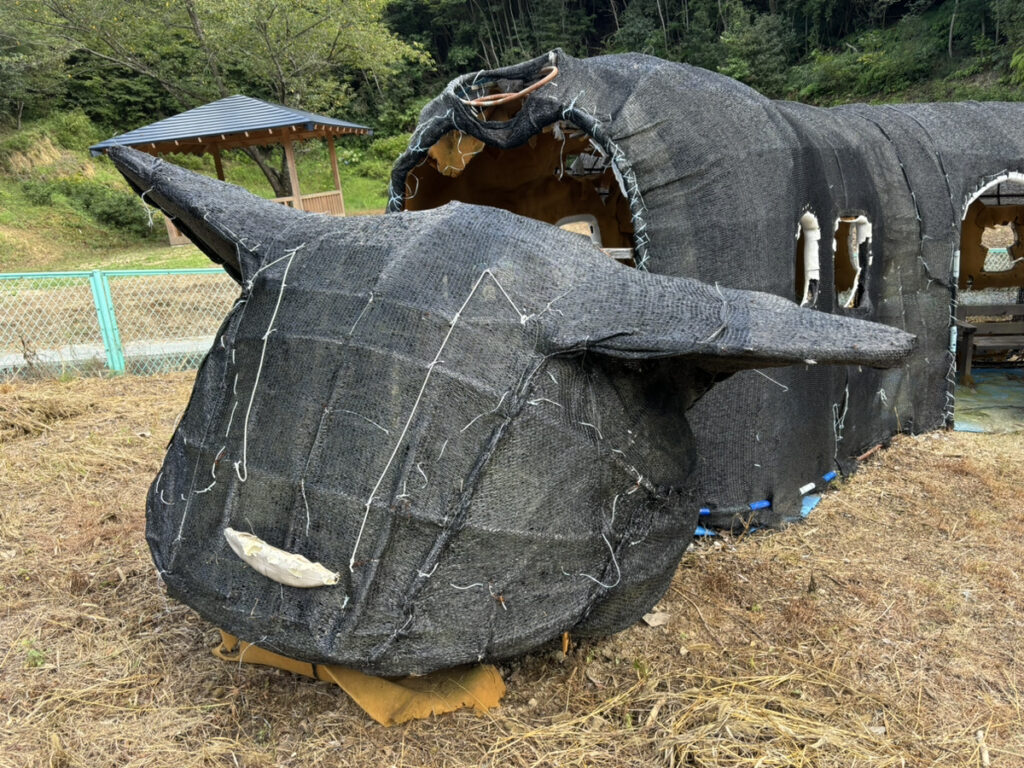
x=102, y=321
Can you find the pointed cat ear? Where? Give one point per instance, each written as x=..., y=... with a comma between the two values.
x=224, y=221
x=639, y=315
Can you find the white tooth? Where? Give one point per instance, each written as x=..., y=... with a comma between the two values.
x=283, y=567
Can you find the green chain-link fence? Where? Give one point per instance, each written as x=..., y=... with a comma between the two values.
x=136, y=321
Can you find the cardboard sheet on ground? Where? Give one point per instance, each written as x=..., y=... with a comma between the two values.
x=389, y=702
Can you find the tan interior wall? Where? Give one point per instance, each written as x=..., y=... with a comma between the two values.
x=973, y=252
x=846, y=273
x=523, y=180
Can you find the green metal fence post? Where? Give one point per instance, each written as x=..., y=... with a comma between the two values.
x=108, y=324
x=115, y=333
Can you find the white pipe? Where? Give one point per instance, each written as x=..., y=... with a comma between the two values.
x=812, y=261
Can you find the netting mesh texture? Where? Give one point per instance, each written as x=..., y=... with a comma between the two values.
x=475, y=420
x=717, y=177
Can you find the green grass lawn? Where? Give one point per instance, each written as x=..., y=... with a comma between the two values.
x=148, y=256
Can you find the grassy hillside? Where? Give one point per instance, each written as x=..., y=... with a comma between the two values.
x=61, y=209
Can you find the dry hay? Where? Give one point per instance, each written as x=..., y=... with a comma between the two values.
x=41, y=154
x=882, y=632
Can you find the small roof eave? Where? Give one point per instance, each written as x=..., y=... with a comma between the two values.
x=234, y=121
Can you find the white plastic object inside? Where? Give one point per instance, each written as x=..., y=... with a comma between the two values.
x=286, y=568
x=811, y=231
x=583, y=218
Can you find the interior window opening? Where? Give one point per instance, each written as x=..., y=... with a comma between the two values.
x=986, y=336
x=560, y=176
x=852, y=249
x=991, y=269
x=808, y=260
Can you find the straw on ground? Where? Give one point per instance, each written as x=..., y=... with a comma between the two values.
x=882, y=632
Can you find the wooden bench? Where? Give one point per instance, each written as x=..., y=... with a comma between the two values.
x=987, y=336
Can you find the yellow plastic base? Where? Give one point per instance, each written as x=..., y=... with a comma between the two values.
x=389, y=702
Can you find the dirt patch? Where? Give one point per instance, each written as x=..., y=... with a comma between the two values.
x=884, y=631
x=22, y=247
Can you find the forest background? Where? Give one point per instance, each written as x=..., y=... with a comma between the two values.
x=73, y=72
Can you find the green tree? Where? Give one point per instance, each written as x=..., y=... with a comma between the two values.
x=112, y=96
x=758, y=52
x=296, y=52
x=31, y=70
x=1008, y=18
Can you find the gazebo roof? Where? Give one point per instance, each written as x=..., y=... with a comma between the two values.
x=232, y=122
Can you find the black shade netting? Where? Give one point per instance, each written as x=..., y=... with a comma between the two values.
x=705, y=178
x=474, y=421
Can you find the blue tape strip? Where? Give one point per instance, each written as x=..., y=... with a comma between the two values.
x=702, y=531
x=829, y=477
x=756, y=505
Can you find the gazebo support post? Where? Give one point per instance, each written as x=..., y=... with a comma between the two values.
x=215, y=151
x=293, y=172
x=334, y=169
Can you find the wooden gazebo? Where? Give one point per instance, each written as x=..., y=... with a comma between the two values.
x=242, y=121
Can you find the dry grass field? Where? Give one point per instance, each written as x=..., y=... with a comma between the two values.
x=885, y=631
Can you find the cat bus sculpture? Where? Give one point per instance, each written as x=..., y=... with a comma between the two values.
x=868, y=211
x=431, y=438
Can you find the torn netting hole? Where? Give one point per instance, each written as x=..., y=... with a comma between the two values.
x=437, y=168
x=808, y=260
x=852, y=249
